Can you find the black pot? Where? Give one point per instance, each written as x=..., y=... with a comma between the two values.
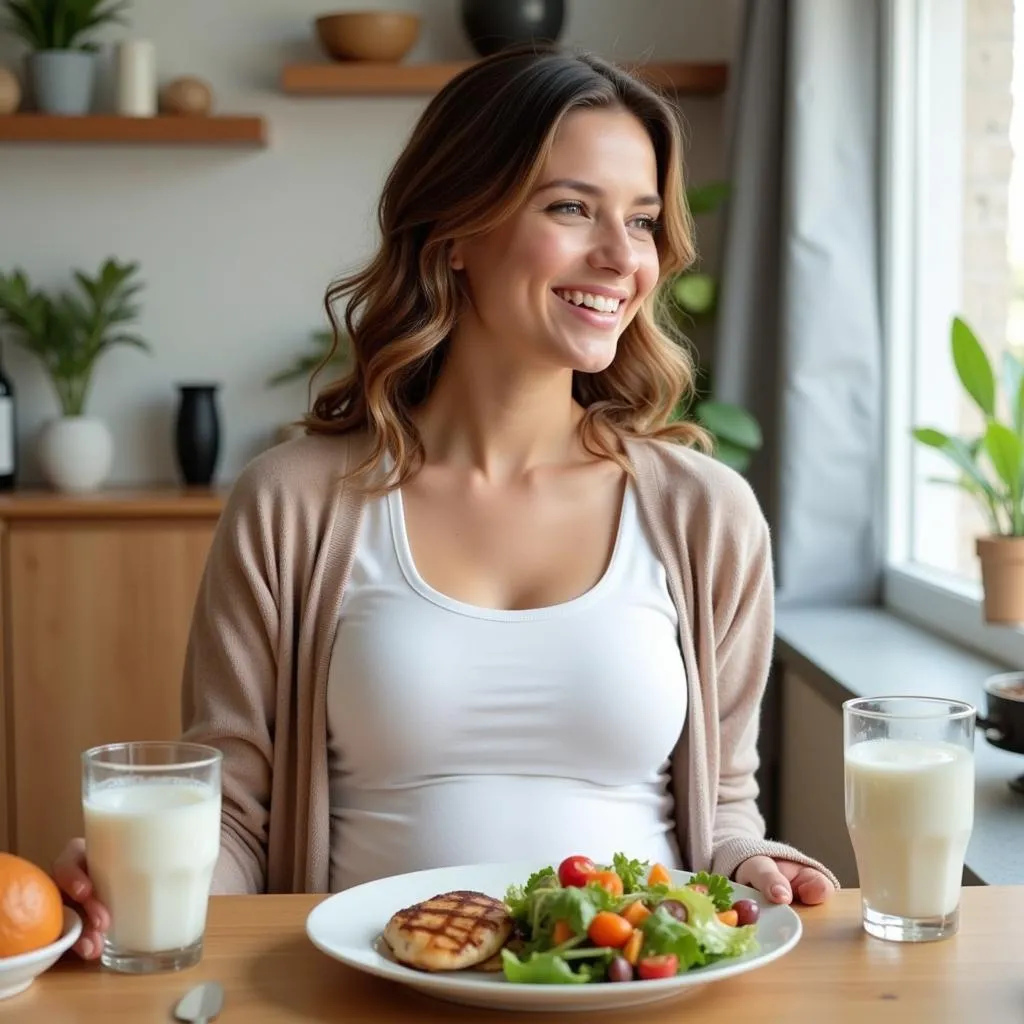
x=1003, y=723
x=197, y=433
x=494, y=24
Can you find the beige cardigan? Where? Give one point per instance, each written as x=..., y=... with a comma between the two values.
x=267, y=611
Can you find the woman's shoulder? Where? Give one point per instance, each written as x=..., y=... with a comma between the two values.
x=688, y=484
x=299, y=472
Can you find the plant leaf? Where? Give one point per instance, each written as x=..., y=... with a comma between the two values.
x=707, y=198
x=973, y=367
x=729, y=422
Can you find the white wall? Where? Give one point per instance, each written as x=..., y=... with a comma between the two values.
x=237, y=247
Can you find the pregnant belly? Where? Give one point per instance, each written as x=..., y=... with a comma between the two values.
x=480, y=819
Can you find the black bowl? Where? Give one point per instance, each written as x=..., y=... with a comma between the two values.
x=1003, y=724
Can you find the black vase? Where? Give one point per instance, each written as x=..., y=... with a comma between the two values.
x=197, y=432
x=494, y=24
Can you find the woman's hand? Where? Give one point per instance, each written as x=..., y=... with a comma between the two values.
x=782, y=880
x=72, y=877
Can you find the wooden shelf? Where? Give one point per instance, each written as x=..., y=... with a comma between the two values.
x=152, y=131
x=378, y=79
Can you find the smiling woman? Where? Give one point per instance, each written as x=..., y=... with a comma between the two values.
x=496, y=604
x=543, y=199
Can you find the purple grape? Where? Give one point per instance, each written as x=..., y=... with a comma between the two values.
x=747, y=912
x=620, y=969
x=676, y=909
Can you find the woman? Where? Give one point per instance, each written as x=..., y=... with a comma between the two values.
x=495, y=605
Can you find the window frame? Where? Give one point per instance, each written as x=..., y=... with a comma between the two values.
x=922, y=202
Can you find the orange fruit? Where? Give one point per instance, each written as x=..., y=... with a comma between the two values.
x=31, y=910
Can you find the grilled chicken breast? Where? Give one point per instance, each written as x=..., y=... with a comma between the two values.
x=449, y=932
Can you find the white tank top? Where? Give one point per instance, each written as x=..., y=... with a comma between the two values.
x=462, y=735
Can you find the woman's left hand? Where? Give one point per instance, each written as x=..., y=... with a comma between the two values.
x=782, y=880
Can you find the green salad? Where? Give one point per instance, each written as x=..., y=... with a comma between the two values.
x=627, y=921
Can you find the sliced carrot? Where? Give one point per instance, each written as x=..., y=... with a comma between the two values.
x=729, y=917
x=659, y=875
x=562, y=933
x=635, y=913
x=631, y=952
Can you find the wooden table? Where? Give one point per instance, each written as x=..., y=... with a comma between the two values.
x=256, y=946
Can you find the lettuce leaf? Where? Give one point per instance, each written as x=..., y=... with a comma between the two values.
x=541, y=969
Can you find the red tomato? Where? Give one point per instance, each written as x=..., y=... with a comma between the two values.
x=653, y=967
x=575, y=871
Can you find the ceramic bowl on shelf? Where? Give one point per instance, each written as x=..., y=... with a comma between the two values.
x=18, y=972
x=385, y=36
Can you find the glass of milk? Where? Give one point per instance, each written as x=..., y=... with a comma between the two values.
x=152, y=836
x=909, y=767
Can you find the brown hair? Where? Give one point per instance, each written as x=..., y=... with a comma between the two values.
x=471, y=161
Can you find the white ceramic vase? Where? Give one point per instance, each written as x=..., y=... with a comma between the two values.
x=76, y=452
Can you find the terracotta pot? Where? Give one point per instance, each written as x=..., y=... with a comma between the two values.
x=1002, y=576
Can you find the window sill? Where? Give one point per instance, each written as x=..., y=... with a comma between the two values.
x=868, y=652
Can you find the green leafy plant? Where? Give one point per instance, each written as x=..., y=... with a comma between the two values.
x=991, y=464
x=70, y=331
x=692, y=296
x=316, y=358
x=61, y=24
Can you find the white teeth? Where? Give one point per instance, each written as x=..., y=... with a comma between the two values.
x=602, y=303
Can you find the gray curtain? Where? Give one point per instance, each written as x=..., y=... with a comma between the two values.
x=799, y=331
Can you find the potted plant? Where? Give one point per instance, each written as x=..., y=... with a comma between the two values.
x=990, y=469
x=69, y=333
x=61, y=64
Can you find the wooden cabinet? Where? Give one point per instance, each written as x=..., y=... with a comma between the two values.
x=97, y=598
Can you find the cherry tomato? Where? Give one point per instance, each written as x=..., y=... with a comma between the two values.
x=635, y=913
x=659, y=875
x=608, y=880
x=576, y=871
x=562, y=933
x=653, y=967
x=608, y=929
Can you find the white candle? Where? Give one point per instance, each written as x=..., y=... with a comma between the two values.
x=136, y=78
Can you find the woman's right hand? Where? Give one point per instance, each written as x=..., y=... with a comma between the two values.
x=71, y=873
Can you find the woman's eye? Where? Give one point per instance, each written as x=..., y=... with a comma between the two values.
x=570, y=206
x=646, y=223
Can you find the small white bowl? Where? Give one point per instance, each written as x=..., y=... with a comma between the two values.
x=18, y=972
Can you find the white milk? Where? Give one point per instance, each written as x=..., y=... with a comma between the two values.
x=910, y=809
x=151, y=849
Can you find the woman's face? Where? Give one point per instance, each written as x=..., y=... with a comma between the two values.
x=557, y=282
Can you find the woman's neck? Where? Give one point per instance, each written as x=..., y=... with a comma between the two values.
x=499, y=421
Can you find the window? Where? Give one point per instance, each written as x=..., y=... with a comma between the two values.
x=953, y=180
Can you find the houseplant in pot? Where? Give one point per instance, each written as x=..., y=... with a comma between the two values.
x=69, y=332
x=61, y=63
x=990, y=469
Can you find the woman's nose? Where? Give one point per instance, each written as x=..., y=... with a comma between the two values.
x=614, y=251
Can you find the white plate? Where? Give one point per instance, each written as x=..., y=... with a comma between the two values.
x=18, y=972
x=348, y=927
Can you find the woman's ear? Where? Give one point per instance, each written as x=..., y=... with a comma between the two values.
x=455, y=259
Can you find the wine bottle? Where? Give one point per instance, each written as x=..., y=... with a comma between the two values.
x=8, y=441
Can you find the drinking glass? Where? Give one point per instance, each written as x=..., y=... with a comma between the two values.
x=152, y=836
x=909, y=769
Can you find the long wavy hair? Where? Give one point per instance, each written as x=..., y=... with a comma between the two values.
x=472, y=160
